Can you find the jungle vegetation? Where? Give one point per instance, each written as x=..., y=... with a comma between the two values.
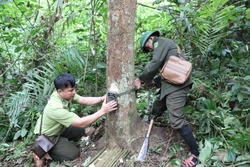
x=41, y=38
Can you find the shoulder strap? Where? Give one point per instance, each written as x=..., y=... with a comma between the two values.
x=40, y=131
x=179, y=51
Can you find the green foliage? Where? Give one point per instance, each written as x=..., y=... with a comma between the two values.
x=13, y=151
x=211, y=155
x=144, y=102
x=16, y=107
x=157, y=149
x=218, y=102
x=4, y=149
x=241, y=140
x=205, y=153
x=39, y=41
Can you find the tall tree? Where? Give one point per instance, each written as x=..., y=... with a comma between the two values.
x=121, y=125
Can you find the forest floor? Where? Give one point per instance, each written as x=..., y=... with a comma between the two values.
x=166, y=149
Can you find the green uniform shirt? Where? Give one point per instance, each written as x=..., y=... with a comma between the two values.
x=56, y=116
x=163, y=48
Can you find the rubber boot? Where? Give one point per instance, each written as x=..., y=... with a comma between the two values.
x=187, y=134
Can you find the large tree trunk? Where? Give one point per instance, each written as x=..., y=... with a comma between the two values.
x=121, y=125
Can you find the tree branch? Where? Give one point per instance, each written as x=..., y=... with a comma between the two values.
x=16, y=59
x=155, y=8
x=23, y=14
x=37, y=10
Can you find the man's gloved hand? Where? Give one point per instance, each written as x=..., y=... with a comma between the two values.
x=157, y=81
x=148, y=84
x=155, y=114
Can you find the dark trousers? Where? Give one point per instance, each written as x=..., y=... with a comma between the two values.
x=65, y=149
x=175, y=103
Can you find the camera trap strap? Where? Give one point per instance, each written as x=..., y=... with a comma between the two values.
x=112, y=95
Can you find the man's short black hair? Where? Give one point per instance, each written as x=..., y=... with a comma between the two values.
x=64, y=80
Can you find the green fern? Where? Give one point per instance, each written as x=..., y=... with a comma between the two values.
x=39, y=87
x=17, y=103
x=241, y=141
x=212, y=23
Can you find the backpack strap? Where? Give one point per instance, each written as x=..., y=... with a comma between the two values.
x=179, y=51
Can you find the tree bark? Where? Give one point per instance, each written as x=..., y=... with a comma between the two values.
x=121, y=125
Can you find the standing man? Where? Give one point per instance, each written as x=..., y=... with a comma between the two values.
x=58, y=121
x=172, y=97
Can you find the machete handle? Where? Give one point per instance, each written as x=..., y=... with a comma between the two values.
x=150, y=127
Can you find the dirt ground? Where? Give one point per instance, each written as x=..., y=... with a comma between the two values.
x=166, y=149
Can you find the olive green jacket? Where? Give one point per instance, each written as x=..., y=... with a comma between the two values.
x=163, y=48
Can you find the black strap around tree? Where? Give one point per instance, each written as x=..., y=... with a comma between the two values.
x=126, y=92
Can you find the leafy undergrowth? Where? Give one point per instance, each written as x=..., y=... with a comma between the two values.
x=166, y=149
x=165, y=146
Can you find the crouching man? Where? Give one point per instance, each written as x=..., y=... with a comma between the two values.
x=63, y=126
